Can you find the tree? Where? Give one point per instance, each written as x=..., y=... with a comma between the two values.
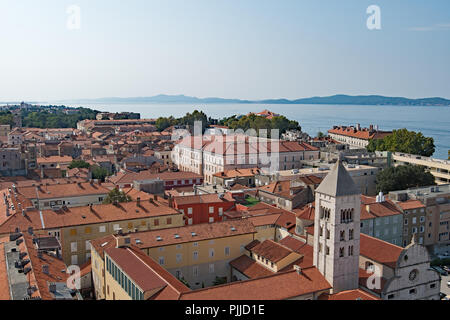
x=403, y=177
x=115, y=195
x=163, y=123
x=404, y=141
x=320, y=134
x=100, y=173
x=79, y=164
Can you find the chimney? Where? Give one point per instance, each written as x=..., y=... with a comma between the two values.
x=155, y=197
x=45, y=268
x=138, y=200
x=358, y=127
x=123, y=241
x=52, y=287
x=170, y=201
x=298, y=269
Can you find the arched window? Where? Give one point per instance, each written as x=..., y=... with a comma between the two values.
x=343, y=235
x=341, y=252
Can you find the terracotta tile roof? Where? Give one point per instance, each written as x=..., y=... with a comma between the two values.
x=271, y=250
x=149, y=239
x=262, y=208
x=238, y=144
x=307, y=212
x=356, y=294
x=55, y=267
x=264, y=220
x=302, y=248
x=371, y=210
x=4, y=284
x=235, y=173
x=249, y=267
x=252, y=244
x=148, y=175
x=62, y=190
x=411, y=204
x=365, y=134
x=55, y=159
x=85, y=215
x=279, y=286
x=85, y=268
x=146, y=272
x=380, y=251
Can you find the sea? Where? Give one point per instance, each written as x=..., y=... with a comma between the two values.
x=432, y=121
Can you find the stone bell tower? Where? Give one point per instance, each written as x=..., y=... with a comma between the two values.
x=337, y=229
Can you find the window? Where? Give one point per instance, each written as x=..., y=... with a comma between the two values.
x=195, y=255
x=422, y=219
x=195, y=271
x=211, y=253
x=406, y=222
x=211, y=209
x=227, y=251
x=211, y=220
x=189, y=221
x=412, y=291
x=211, y=268
x=156, y=222
x=73, y=247
x=327, y=250
x=343, y=235
x=169, y=220
x=414, y=220
x=87, y=230
x=422, y=229
x=179, y=257
x=116, y=227
x=102, y=229
x=161, y=261
x=73, y=232
x=74, y=259
x=350, y=234
x=88, y=245
x=350, y=250
x=220, y=211
x=341, y=252
x=189, y=210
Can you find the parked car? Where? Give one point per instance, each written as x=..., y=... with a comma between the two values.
x=441, y=271
x=446, y=268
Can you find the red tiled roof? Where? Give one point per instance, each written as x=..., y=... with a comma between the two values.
x=271, y=250
x=411, y=204
x=356, y=294
x=380, y=251
x=249, y=267
x=365, y=134
x=279, y=286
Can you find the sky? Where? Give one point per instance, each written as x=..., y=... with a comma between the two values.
x=246, y=49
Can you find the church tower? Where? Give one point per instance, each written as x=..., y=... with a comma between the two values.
x=337, y=229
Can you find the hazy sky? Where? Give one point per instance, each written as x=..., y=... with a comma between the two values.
x=248, y=49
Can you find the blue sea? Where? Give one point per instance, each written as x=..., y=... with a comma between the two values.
x=431, y=121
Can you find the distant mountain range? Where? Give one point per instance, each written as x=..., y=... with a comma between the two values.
x=336, y=99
